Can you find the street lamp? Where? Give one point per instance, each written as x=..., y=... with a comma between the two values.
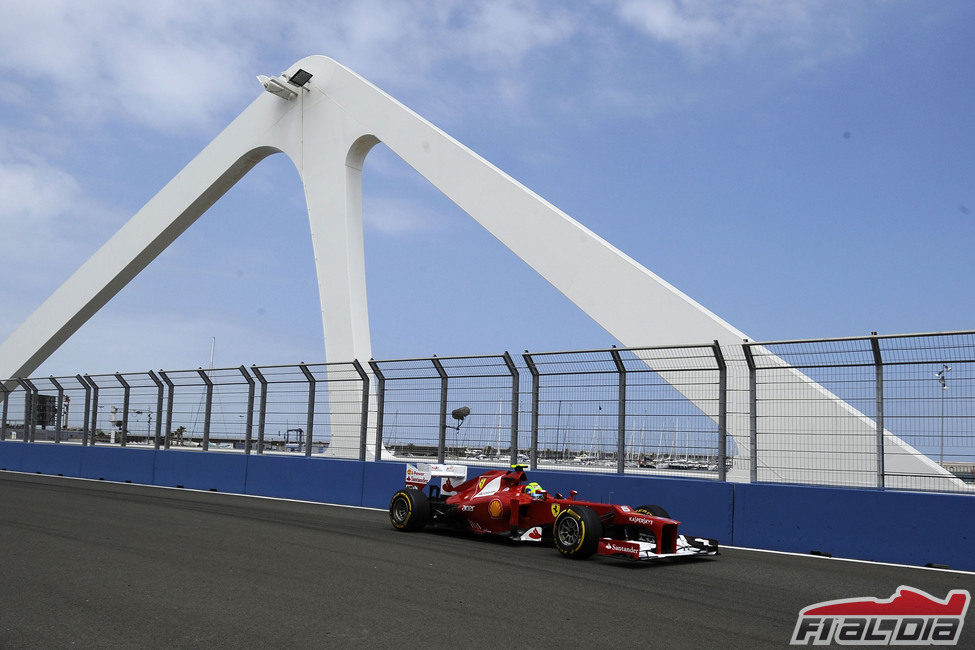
x=148, y=414
x=284, y=87
x=942, y=376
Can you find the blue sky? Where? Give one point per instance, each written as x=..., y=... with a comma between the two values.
x=802, y=169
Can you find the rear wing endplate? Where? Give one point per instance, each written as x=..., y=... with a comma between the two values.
x=421, y=474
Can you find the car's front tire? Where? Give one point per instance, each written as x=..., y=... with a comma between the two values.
x=655, y=511
x=409, y=510
x=576, y=532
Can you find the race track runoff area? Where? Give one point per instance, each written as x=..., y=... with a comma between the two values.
x=97, y=564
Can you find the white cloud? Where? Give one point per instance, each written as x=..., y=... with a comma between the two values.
x=48, y=223
x=164, y=63
x=503, y=34
x=705, y=29
x=670, y=22
x=171, y=64
x=43, y=213
x=34, y=194
x=391, y=216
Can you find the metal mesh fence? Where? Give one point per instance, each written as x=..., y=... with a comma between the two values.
x=740, y=458
x=878, y=411
x=189, y=409
x=337, y=408
x=815, y=412
x=70, y=398
x=411, y=407
x=310, y=408
x=574, y=413
x=16, y=416
x=929, y=405
x=124, y=408
x=629, y=410
x=484, y=385
x=285, y=392
x=450, y=408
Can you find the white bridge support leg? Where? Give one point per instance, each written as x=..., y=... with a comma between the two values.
x=327, y=129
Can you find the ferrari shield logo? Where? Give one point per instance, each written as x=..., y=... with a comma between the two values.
x=495, y=509
x=480, y=484
x=556, y=509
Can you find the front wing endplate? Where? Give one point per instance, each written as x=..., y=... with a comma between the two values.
x=633, y=550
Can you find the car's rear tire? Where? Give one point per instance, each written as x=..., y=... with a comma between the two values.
x=409, y=510
x=654, y=511
x=576, y=532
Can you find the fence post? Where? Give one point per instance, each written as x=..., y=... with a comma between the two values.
x=34, y=403
x=620, y=412
x=30, y=409
x=311, y=407
x=249, y=417
x=59, y=408
x=94, y=408
x=752, y=413
x=208, y=409
x=3, y=411
x=125, y=408
x=156, y=435
x=24, y=432
x=442, y=441
x=170, y=397
x=85, y=433
x=533, y=462
x=262, y=409
x=879, y=384
x=722, y=412
x=380, y=405
x=364, y=417
x=508, y=361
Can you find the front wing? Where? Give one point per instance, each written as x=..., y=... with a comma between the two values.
x=687, y=546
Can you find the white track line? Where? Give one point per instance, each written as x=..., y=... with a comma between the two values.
x=847, y=559
x=169, y=487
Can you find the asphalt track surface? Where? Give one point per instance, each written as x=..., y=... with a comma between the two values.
x=91, y=564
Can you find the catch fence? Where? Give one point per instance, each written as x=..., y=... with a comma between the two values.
x=876, y=411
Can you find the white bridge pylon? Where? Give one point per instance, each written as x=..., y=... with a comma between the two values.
x=327, y=126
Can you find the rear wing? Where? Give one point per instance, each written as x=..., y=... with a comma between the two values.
x=421, y=474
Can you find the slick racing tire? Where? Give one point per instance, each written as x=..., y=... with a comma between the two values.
x=576, y=532
x=655, y=511
x=409, y=510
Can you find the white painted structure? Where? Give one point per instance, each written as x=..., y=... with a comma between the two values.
x=327, y=127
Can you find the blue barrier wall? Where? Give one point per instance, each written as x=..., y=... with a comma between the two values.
x=200, y=471
x=113, y=464
x=308, y=479
x=902, y=527
x=63, y=460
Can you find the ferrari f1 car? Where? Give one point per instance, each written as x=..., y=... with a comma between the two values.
x=504, y=502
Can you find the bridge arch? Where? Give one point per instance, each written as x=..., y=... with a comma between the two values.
x=327, y=125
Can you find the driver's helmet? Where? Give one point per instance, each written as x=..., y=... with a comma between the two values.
x=534, y=490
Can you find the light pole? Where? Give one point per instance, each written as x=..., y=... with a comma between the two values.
x=942, y=376
x=116, y=424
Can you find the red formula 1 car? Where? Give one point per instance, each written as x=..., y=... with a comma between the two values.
x=504, y=502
